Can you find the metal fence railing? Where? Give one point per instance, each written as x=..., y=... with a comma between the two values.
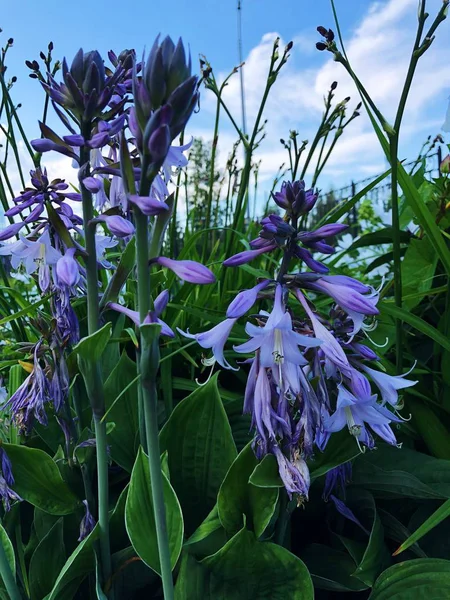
x=379, y=195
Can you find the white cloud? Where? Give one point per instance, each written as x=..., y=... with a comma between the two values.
x=379, y=49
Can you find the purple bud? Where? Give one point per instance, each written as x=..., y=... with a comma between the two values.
x=147, y=205
x=306, y=257
x=92, y=185
x=188, y=270
x=245, y=300
x=246, y=256
x=98, y=140
x=67, y=270
x=74, y=140
x=87, y=522
x=321, y=233
x=161, y=302
x=159, y=143
x=364, y=351
x=117, y=225
x=10, y=231
x=43, y=145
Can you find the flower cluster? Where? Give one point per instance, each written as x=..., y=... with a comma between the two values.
x=309, y=375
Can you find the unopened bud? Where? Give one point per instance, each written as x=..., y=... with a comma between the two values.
x=321, y=46
x=322, y=30
x=289, y=46
x=334, y=85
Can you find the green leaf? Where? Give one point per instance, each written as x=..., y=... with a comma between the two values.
x=140, y=518
x=119, y=536
x=47, y=561
x=240, y=502
x=390, y=472
x=200, y=450
x=208, y=538
x=418, y=268
x=396, y=531
x=437, y=517
x=381, y=236
x=341, y=448
x=265, y=474
x=121, y=397
x=10, y=556
x=414, y=579
x=376, y=555
x=121, y=274
x=21, y=313
x=91, y=347
x=79, y=564
x=431, y=428
x=390, y=309
x=331, y=569
x=39, y=482
x=245, y=568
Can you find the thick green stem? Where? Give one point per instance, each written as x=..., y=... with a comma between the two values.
x=8, y=576
x=96, y=393
x=148, y=367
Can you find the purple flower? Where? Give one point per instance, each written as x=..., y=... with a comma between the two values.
x=6, y=467
x=67, y=269
x=245, y=300
x=276, y=340
x=188, y=270
x=215, y=339
x=152, y=317
x=294, y=473
x=294, y=198
x=389, y=384
x=148, y=205
x=246, y=256
x=7, y=494
x=34, y=255
x=117, y=225
x=10, y=231
x=356, y=414
x=87, y=522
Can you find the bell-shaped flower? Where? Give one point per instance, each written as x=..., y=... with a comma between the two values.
x=117, y=225
x=215, y=339
x=153, y=316
x=389, y=384
x=247, y=255
x=67, y=269
x=356, y=414
x=294, y=473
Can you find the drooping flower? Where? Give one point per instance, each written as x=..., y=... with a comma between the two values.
x=153, y=316
x=214, y=339
x=188, y=270
x=87, y=522
x=389, y=384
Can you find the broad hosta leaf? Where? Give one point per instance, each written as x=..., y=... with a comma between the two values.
x=77, y=566
x=376, y=555
x=200, y=450
x=10, y=556
x=427, y=578
x=389, y=472
x=245, y=568
x=47, y=561
x=39, y=482
x=240, y=501
x=124, y=412
x=209, y=537
x=91, y=348
x=140, y=519
x=418, y=267
x=331, y=569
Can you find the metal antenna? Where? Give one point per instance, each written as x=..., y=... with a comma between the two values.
x=241, y=70
x=241, y=75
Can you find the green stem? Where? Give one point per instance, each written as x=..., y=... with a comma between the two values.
x=8, y=576
x=148, y=367
x=211, y=176
x=96, y=393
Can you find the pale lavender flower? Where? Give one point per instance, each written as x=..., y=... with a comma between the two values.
x=188, y=270
x=293, y=473
x=245, y=300
x=117, y=225
x=67, y=269
x=148, y=205
x=215, y=339
x=153, y=316
x=247, y=255
x=389, y=384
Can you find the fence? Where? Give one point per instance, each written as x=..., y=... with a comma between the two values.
x=379, y=195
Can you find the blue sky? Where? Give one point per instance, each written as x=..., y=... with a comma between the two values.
x=378, y=35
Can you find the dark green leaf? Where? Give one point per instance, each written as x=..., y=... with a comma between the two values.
x=140, y=518
x=437, y=517
x=91, y=347
x=123, y=439
x=39, y=482
x=331, y=569
x=240, y=501
x=427, y=578
x=47, y=561
x=245, y=568
x=200, y=450
x=10, y=556
x=382, y=236
x=78, y=565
